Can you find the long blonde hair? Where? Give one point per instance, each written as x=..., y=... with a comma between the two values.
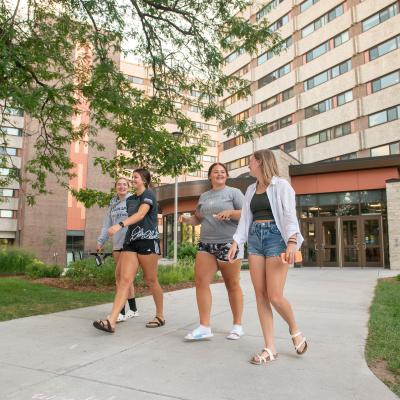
x=268, y=164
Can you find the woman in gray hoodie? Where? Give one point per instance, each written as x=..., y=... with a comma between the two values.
x=116, y=213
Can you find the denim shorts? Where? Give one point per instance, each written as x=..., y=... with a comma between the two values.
x=265, y=240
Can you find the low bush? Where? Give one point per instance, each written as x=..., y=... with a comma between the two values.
x=86, y=272
x=14, y=260
x=185, y=250
x=182, y=272
x=38, y=269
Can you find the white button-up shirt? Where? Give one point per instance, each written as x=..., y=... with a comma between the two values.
x=283, y=205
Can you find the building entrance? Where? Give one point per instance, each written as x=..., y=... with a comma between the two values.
x=346, y=241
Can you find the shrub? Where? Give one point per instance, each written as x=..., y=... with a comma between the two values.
x=14, y=260
x=38, y=269
x=398, y=277
x=185, y=250
x=86, y=272
x=182, y=272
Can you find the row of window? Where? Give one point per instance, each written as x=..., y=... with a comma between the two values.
x=384, y=48
x=233, y=56
x=135, y=79
x=209, y=142
x=286, y=147
x=207, y=158
x=326, y=46
x=328, y=134
x=6, y=213
x=380, y=17
x=261, y=59
x=381, y=117
x=348, y=156
x=385, y=81
x=327, y=75
x=199, y=174
x=305, y=5
x=6, y=192
x=323, y=20
x=205, y=127
x=236, y=141
x=6, y=171
x=328, y=104
x=8, y=130
x=241, y=116
x=386, y=150
x=272, y=76
x=235, y=164
x=278, y=98
x=10, y=151
x=276, y=125
x=16, y=112
x=279, y=23
x=267, y=8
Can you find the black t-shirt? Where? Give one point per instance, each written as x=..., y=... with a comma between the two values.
x=147, y=227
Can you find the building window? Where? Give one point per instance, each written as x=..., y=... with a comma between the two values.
x=317, y=52
x=241, y=116
x=278, y=73
x=384, y=48
x=328, y=104
x=276, y=125
x=16, y=112
x=242, y=71
x=328, y=134
x=305, y=5
x=341, y=38
x=279, y=23
x=344, y=98
x=279, y=98
x=323, y=20
x=207, y=158
x=10, y=151
x=6, y=193
x=235, y=164
x=75, y=245
x=287, y=147
x=233, y=56
x=384, y=116
x=195, y=109
x=327, y=75
x=6, y=214
x=385, y=81
x=267, y=8
x=135, y=79
x=386, y=150
x=380, y=17
x=205, y=127
x=7, y=130
x=269, y=54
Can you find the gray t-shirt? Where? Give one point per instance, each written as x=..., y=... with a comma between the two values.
x=213, y=202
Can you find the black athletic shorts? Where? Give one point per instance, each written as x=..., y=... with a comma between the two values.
x=144, y=246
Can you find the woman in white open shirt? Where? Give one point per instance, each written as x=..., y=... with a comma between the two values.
x=269, y=225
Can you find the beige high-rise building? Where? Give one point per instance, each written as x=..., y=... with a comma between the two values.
x=332, y=94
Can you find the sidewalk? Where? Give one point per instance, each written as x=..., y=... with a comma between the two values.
x=62, y=357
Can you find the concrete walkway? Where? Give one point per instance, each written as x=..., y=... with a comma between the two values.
x=62, y=357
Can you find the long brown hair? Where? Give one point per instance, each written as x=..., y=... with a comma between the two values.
x=145, y=175
x=268, y=164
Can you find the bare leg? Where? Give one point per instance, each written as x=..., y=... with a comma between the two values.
x=257, y=272
x=204, y=271
x=128, y=266
x=149, y=265
x=276, y=273
x=116, y=256
x=231, y=274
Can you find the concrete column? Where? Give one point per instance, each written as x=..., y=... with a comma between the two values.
x=393, y=210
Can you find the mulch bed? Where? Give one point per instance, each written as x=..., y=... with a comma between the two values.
x=141, y=290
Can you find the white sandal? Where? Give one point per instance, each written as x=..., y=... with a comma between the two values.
x=259, y=359
x=303, y=342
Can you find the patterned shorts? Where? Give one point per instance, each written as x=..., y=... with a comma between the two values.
x=218, y=250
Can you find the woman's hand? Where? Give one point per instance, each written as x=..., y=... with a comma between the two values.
x=185, y=219
x=99, y=248
x=114, y=229
x=232, y=252
x=224, y=215
x=290, y=252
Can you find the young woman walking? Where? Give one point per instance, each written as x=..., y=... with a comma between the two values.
x=116, y=213
x=141, y=247
x=270, y=227
x=218, y=211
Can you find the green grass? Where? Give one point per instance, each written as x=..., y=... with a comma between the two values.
x=384, y=329
x=21, y=298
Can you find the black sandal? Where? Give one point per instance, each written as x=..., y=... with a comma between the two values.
x=155, y=324
x=99, y=324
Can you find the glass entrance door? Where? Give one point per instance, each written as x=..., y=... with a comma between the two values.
x=351, y=242
x=327, y=243
x=372, y=241
x=309, y=247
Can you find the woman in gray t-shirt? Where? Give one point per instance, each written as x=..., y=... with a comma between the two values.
x=218, y=212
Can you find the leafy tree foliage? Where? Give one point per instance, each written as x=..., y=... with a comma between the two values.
x=58, y=55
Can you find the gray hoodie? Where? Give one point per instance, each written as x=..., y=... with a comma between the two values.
x=116, y=213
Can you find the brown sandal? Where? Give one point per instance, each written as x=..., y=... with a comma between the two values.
x=102, y=326
x=155, y=324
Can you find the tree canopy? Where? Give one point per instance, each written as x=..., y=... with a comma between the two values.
x=183, y=42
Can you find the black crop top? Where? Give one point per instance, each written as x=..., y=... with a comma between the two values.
x=260, y=207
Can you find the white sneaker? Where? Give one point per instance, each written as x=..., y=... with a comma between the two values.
x=130, y=314
x=121, y=317
x=235, y=334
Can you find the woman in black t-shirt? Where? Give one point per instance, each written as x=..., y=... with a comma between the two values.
x=142, y=246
